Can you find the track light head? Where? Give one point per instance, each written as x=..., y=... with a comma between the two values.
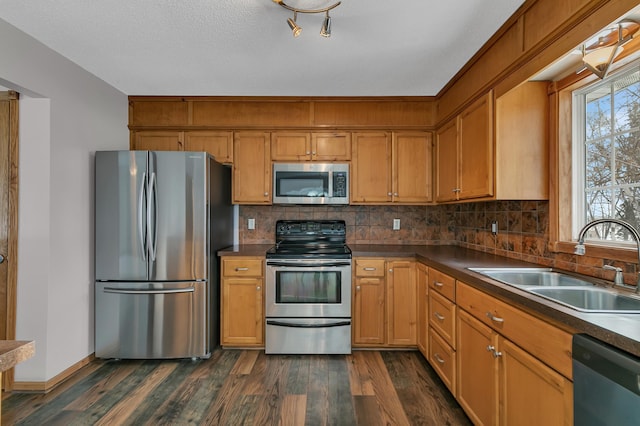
x=325, y=31
x=296, y=30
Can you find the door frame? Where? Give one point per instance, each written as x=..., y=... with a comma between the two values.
x=12, y=247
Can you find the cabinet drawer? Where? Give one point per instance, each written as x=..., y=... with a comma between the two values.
x=370, y=267
x=242, y=267
x=443, y=359
x=442, y=317
x=546, y=342
x=443, y=284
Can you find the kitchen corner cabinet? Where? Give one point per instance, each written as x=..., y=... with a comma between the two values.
x=422, y=328
x=242, y=301
x=512, y=368
x=218, y=144
x=391, y=167
x=509, y=161
x=384, y=303
x=252, y=168
x=314, y=146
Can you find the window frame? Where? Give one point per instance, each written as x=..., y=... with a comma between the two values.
x=562, y=227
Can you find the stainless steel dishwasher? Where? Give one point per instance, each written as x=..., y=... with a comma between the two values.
x=606, y=384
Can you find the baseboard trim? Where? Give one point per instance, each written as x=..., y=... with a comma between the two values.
x=47, y=386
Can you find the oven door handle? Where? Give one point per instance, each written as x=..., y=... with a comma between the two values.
x=307, y=265
x=295, y=325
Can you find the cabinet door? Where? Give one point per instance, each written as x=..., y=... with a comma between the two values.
x=252, y=168
x=446, y=161
x=218, y=144
x=530, y=392
x=371, y=168
x=411, y=167
x=331, y=146
x=242, y=311
x=422, y=329
x=476, y=149
x=155, y=140
x=368, y=311
x=290, y=146
x=477, y=370
x=401, y=303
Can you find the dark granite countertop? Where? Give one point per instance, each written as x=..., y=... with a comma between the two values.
x=619, y=330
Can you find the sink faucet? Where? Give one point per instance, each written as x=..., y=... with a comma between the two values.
x=580, y=250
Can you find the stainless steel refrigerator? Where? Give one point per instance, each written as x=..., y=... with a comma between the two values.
x=160, y=217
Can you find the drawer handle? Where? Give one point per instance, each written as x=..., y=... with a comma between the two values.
x=438, y=284
x=368, y=268
x=494, y=318
x=438, y=316
x=241, y=269
x=438, y=358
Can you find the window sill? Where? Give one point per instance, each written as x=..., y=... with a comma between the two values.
x=629, y=255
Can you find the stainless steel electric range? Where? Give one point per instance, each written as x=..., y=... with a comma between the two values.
x=308, y=289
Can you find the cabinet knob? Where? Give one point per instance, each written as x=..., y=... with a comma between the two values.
x=390, y=270
x=266, y=194
x=389, y=194
x=357, y=288
x=493, y=351
x=314, y=153
x=455, y=190
x=395, y=194
x=308, y=152
x=258, y=288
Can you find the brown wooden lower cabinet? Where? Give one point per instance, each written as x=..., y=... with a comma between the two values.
x=499, y=382
x=422, y=329
x=242, y=302
x=384, y=305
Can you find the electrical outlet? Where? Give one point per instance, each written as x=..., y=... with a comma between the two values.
x=494, y=227
x=396, y=224
x=251, y=224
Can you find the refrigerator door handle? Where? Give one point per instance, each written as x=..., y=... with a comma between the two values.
x=154, y=196
x=141, y=228
x=168, y=291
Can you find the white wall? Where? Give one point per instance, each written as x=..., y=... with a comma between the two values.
x=66, y=115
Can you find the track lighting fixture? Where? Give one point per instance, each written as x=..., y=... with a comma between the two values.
x=325, y=30
x=599, y=53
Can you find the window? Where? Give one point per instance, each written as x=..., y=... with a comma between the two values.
x=606, y=160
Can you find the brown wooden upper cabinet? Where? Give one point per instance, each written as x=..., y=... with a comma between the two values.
x=252, y=168
x=475, y=161
x=217, y=143
x=391, y=167
x=311, y=146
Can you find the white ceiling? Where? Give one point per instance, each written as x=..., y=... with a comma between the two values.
x=245, y=47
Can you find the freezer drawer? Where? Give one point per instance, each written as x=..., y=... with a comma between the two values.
x=152, y=320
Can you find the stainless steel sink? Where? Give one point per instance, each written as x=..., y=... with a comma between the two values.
x=591, y=299
x=532, y=277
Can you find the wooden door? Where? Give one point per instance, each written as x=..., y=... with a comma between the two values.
x=371, y=168
x=476, y=149
x=252, y=168
x=290, y=146
x=531, y=393
x=218, y=144
x=402, y=303
x=446, y=162
x=331, y=146
x=477, y=370
x=157, y=140
x=422, y=328
x=242, y=311
x=8, y=220
x=412, y=167
x=368, y=311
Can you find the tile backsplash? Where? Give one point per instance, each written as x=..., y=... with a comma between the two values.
x=523, y=230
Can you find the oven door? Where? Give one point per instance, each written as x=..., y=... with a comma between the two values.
x=299, y=288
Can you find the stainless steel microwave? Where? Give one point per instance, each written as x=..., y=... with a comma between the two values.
x=310, y=183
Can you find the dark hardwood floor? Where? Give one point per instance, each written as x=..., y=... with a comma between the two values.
x=237, y=387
